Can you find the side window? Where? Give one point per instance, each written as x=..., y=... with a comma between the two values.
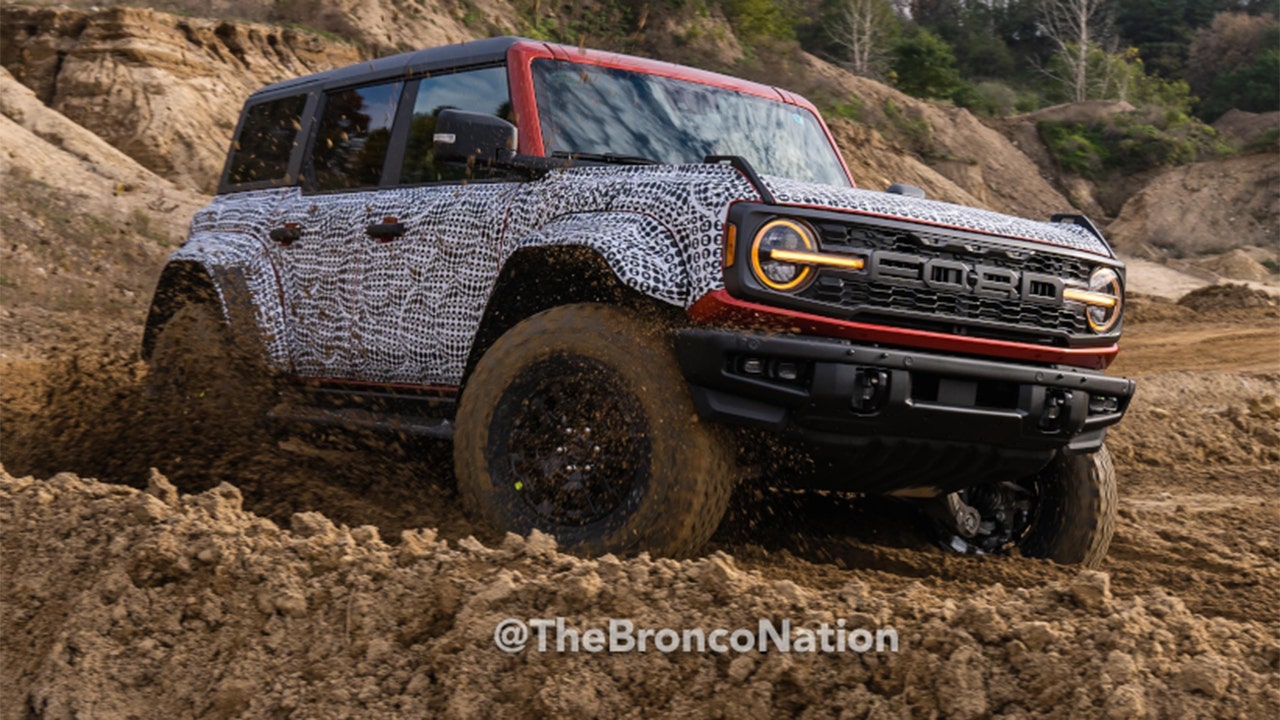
x=352, y=137
x=267, y=138
x=482, y=91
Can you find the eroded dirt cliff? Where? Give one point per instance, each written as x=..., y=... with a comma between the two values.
x=163, y=89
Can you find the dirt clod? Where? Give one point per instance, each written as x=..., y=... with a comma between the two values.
x=163, y=602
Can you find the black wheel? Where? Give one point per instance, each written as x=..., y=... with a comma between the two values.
x=577, y=422
x=1065, y=513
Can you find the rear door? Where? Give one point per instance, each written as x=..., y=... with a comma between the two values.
x=319, y=261
x=259, y=178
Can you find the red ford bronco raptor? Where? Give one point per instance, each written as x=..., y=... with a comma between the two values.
x=610, y=279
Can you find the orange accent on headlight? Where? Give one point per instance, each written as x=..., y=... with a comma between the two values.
x=1089, y=298
x=810, y=258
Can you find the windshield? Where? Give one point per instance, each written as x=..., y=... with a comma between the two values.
x=598, y=110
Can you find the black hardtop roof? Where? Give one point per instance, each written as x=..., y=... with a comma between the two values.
x=475, y=52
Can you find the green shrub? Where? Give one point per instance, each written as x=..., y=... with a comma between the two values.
x=1028, y=100
x=1268, y=141
x=848, y=109
x=914, y=132
x=989, y=97
x=1078, y=149
x=1131, y=142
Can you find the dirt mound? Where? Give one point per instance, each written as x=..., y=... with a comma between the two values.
x=875, y=164
x=1081, y=112
x=1207, y=207
x=1230, y=296
x=1140, y=308
x=1241, y=128
x=204, y=606
x=1184, y=419
x=165, y=90
x=188, y=605
x=1236, y=265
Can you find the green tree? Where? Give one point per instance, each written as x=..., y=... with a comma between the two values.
x=973, y=31
x=924, y=65
x=1161, y=30
x=1230, y=63
x=1120, y=76
x=756, y=20
x=1253, y=87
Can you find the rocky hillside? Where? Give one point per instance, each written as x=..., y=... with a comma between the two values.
x=85, y=226
x=165, y=90
x=1204, y=208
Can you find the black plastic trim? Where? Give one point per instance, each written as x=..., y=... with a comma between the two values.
x=817, y=407
x=739, y=163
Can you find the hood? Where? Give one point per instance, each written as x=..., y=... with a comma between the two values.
x=935, y=212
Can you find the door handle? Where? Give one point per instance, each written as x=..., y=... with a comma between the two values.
x=286, y=235
x=389, y=229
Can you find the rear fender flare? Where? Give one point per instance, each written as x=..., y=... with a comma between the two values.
x=235, y=271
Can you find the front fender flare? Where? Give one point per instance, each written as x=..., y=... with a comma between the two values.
x=640, y=250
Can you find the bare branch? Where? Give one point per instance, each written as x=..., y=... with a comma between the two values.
x=1073, y=25
x=861, y=29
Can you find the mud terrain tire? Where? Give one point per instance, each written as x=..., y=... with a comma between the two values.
x=1075, y=517
x=562, y=371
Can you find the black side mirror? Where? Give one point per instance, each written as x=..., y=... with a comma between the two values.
x=905, y=189
x=472, y=138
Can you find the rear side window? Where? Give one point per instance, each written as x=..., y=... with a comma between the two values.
x=353, y=135
x=481, y=91
x=267, y=137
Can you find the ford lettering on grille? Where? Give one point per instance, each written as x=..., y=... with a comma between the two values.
x=943, y=275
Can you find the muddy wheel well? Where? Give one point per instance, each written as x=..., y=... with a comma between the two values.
x=538, y=279
x=180, y=283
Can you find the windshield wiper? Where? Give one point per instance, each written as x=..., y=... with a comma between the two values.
x=609, y=158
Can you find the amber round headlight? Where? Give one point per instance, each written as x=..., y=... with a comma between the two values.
x=1104, y=283
x=769, y=254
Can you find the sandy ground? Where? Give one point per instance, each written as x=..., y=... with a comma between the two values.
x=292, y=578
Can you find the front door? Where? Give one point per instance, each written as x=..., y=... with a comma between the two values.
x=425, y=281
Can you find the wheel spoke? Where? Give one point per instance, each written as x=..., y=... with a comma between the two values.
x=574, y=418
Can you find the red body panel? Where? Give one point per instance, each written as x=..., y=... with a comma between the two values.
x=721, y=308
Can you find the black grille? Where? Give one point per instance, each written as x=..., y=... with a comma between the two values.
x=956, y=311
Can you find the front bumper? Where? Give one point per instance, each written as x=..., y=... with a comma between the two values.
x=839, y=397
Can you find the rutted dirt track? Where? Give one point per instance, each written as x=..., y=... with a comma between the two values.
x=338, y=579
